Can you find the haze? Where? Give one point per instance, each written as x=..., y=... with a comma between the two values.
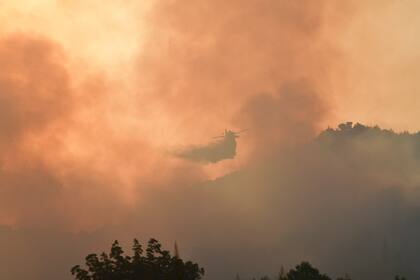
x=96, y=97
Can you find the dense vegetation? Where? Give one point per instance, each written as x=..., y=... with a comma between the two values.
x=305, y=271
x=155, y=264
x=158, y=264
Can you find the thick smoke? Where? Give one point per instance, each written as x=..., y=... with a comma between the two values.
x=220, y=56
x=84, y=140
x=348, y=202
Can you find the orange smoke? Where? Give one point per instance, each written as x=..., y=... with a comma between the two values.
x=95, y=95
x=88, y=138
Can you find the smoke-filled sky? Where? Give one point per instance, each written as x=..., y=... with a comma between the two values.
x=96, y=98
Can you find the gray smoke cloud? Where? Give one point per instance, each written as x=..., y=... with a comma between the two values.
x=348, y=202
x=81, y=165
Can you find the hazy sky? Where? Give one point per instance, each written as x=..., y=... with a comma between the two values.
x=96, y=95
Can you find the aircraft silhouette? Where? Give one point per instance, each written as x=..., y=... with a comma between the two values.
x=222, y=149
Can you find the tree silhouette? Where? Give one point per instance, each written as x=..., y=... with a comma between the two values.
x=155, y=264
x=305, y=271
x=346, y=277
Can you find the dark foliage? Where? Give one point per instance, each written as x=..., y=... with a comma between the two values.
x=153, y=264
x=305, y=271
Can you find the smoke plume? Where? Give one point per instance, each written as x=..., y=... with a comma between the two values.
x=93, y=95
